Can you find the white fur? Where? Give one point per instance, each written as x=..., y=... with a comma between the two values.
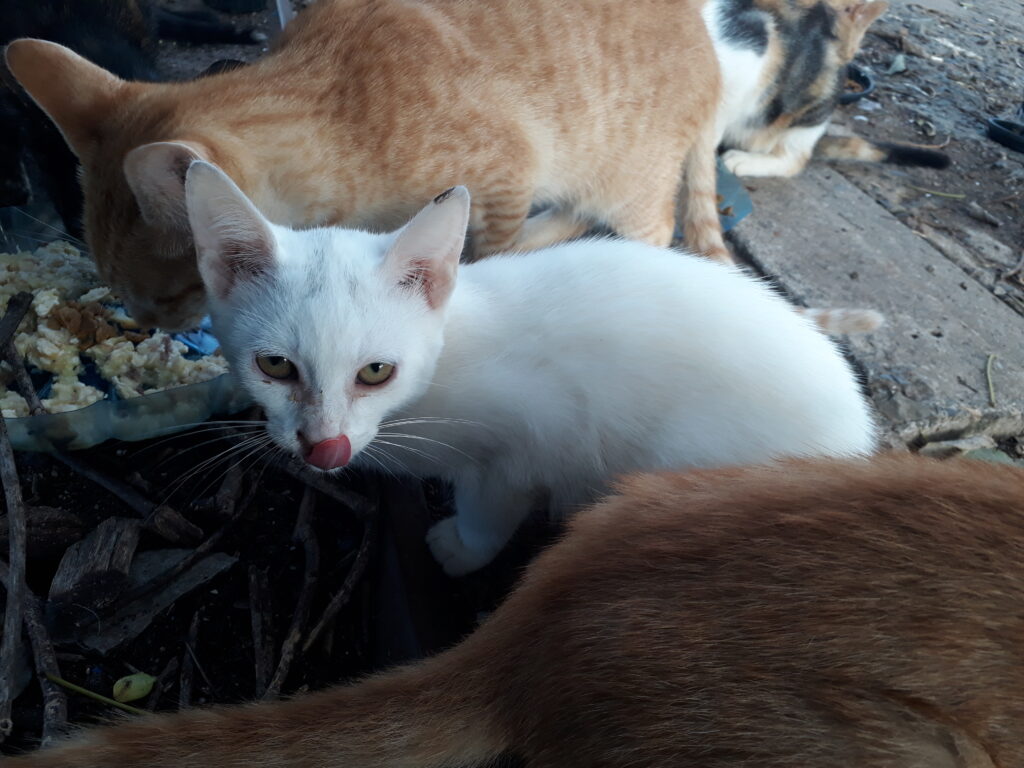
x=742, y=73
x=753, y=152
x=788, y=157
x=547, y=372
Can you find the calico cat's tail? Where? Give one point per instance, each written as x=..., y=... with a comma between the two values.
x=839, y=321
x=857, y=148
x=437, y=713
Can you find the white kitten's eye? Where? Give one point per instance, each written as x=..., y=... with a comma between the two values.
x=375, y=373
x=276, y=367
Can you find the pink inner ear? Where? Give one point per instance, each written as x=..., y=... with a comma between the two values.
x=429, y=278
x=417, y=275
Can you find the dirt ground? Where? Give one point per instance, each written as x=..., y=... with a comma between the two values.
x=964, y=62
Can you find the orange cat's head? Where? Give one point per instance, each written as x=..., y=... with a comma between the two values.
x=133, y=179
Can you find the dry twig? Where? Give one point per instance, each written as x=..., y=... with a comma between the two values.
x=10, y=644
x=261, y=615
x=158, y=686
x=195, y=556
x=360, y=506
x=304, y=534
x=188, y=664
x=988, y=379
x=55, y=707
x=342, y=596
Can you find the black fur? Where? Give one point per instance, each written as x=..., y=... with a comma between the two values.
x=744, y=25
x=904, y=154
x=805, y=42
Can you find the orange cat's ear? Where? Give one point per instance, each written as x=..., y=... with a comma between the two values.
x=156, y=175
x=74, y=92
x=233, y=240
x=425, y=255
x=854, y=22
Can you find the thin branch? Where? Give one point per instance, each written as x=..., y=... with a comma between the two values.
x=358, y=505
x=187, y=664
x=16, y=309
x=186, y=563
x=988, y=380
x=304, y=534
x=95, y=696
x=355, y=573
x=10, y=644
x=261, y=615
x=158, y=687
x=55, y=707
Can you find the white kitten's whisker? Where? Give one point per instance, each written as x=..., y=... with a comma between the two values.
x=430, y=420
x=409, y=448
x=228, y=432
x=449, y=446
x=369, y=452
x=384, y=455
x=245, y=454
x=224, y=455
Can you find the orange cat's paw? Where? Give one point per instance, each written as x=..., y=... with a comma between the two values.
x=455, y=556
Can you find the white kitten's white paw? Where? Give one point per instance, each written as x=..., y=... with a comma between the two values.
x=455, y=556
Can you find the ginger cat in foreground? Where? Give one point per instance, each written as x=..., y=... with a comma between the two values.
x=368, y=107
x=821, y=614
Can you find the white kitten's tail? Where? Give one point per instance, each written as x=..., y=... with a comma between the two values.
x=840, y=320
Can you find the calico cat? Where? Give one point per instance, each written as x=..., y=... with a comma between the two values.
x=546, y=373
x=783, y=70
x=368, y=107
x=119, y=35
x=819, y=614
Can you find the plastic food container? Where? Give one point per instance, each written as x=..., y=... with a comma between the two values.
x=140, y=418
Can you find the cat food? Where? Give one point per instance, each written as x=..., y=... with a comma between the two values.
x=79, y=344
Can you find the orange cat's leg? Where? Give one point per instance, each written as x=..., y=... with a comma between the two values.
x=496, y=219
x=555, y=225
x=702, y=228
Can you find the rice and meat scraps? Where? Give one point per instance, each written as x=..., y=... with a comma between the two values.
x=75, y=320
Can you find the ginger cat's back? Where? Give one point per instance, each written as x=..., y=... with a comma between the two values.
x=823, y=613
x=368, y=108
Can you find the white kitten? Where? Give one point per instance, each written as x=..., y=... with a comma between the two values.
x=549, y=372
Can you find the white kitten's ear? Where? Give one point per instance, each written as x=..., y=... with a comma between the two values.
x=156, y=176
x=75, y=93
x=426, y=252
x=233, y=240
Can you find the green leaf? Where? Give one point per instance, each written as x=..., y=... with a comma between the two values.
x=133, y=687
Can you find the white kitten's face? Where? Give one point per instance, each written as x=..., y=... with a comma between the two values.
x=330, y=330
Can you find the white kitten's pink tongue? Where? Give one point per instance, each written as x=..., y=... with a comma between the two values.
x=331, y=454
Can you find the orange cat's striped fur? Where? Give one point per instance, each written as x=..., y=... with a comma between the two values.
x=369, y=107
x=818, y=614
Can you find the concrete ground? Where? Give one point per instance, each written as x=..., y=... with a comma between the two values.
x=948, y=363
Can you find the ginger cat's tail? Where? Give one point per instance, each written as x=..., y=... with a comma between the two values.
x=437, y=713
x=857, y=148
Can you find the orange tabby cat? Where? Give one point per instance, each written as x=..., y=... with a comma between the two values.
x=370, y=106
x=816, y=614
